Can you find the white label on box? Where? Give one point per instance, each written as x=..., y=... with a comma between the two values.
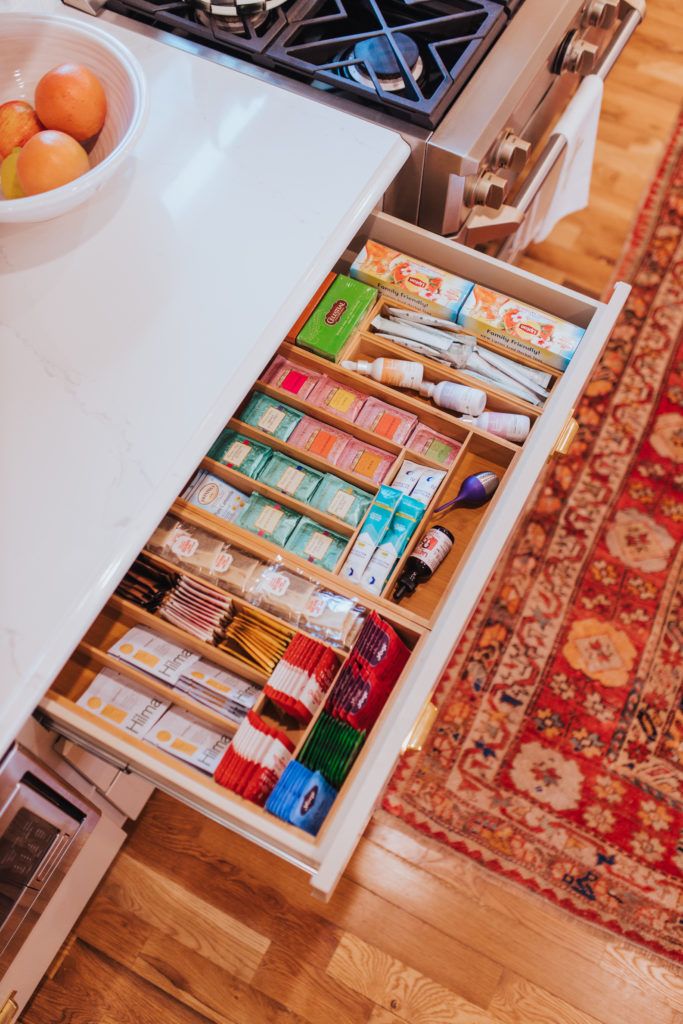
x=237, y=453
x=290, y=479
x=318, y=545
x=203, y=673
x=120, y=701
x=271, y=419
x=182, y=735
x=268, y=519
x=153, y=654
x=341, y=503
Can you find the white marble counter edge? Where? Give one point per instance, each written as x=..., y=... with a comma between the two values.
x=25, y=698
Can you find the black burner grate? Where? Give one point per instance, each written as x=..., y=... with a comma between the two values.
x=249, y=39
x=332, y=45
x=410, y=57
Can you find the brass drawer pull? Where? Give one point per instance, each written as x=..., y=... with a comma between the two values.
x=566, y=437
x=417, y=736
x=9, y=1009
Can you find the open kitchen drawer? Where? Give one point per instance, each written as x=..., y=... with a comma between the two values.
x=430, y=626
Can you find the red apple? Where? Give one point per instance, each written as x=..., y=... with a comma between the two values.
x=18, y=123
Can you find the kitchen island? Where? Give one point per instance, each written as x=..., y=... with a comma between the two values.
x=129, y=326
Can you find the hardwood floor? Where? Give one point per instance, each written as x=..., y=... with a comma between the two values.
x=194, y=924
x=640, y=106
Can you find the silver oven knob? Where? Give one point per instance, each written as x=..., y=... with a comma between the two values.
x=579, y=57
x=486, y=190
x=511, y=152
x=601, y=13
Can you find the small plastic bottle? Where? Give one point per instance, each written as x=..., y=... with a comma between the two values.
x=510, y=425
x=457, y=397
x=424, y=561
x=401, y=373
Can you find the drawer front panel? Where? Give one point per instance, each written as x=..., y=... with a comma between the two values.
x=326, y=856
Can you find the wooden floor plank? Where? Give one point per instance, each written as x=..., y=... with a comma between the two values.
x=353, y=908
x=517, y=1001
x=192, y=921
x=152, y=954
x=622, y=961
x=295, y=975
x=535, y=953
x=91, y=989
x=397, y=988
x=204, y=987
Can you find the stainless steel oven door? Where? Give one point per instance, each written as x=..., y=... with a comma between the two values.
x=505, y=225
x=43, y=825
x=476, y=161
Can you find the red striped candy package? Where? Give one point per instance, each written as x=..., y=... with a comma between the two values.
x=302, y=677
x=255, y=759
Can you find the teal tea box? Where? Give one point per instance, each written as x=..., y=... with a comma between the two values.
x=239, y=452
x=272, y=417
x=290, y=477
x=317, y=545
x=340, y=499
x=268, y=519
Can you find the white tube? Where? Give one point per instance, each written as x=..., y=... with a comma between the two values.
x=510, y=386
x=512, y=426
x=425, y=318
x=457, y=397
x=477, y=365
x=411, y=332
x=415, y=346
x=526, y=374
x=488, y=359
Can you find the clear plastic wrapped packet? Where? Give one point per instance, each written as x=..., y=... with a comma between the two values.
x=199, y=550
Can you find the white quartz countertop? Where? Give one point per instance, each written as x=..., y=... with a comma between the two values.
x=132, y=327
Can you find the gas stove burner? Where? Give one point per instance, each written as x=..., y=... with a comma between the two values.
x=208, y=15
x=378, y=53
x=237, y=17
x=239, y=10
x=409, y=58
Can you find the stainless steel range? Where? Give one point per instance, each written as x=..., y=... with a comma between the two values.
x=474, y=86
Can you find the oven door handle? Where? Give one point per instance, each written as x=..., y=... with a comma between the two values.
x=488, y=225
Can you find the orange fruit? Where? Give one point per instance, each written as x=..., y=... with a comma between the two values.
x=70, y=99
x=18, y=122
x=48, y=160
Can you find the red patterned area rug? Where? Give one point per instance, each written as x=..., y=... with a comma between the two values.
x=557, y=756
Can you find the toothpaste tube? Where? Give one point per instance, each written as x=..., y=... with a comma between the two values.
x=403, y=525
x=372, y=533
x=418, y=481
x=520, y=328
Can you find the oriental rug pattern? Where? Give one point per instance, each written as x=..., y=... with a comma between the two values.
x=557, y=756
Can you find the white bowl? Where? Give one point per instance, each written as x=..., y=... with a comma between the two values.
x=32, y=44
